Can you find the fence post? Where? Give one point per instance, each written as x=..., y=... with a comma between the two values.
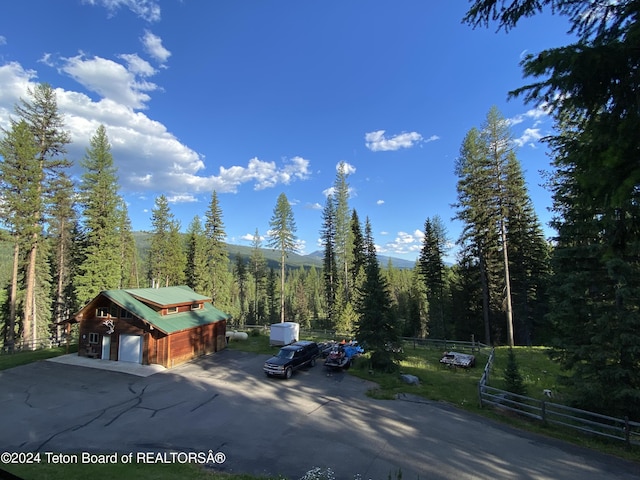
x=544, y=412
x=480, y=393
x=627, y=431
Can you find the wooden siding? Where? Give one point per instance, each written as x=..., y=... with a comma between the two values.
x=194, y=342
x=157, y=347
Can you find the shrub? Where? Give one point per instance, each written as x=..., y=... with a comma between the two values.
x=512, y=377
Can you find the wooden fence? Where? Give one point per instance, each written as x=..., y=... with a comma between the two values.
x=547, y=412
x=37, y=344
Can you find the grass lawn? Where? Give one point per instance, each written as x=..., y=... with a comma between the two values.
x=10, y=360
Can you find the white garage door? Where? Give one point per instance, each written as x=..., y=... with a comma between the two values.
x=130, y=348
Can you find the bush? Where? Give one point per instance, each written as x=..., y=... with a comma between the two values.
x=512, y=376
x=384, y=361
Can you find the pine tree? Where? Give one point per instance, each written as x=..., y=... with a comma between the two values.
x=176, y=260
x=162, y=221
x=431, y=267
x=376, y=328
x=196, y=271
x=358, y=251
x=330, y=268
x=129, y=262
x=342, y=230
x=258, y=267
x=41, y=114
x=591, y=88
x=20, y=198
x=512, y=376
x=63, y=229
x=217, y=254
x=495, y=208
x=100, y=268
x=272, y=297
x=282, y=237
x=479, y=237
x=241, y=282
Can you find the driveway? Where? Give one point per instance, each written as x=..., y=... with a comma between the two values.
x=264, y=426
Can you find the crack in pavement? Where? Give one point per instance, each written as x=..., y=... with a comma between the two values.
x=204, y=403
x=94, y=418
x=156, y=410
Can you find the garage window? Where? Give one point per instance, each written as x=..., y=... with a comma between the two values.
x=93, y=337
x=102, y=312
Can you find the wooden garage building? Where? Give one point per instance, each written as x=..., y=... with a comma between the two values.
x=165, y=326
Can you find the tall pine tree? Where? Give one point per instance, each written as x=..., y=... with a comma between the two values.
x=40, y=112
x=100, y=267
x=282, y=236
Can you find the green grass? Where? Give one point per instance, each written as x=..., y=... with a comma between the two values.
x=10, y=360
x=256, y=343
x=459, y=387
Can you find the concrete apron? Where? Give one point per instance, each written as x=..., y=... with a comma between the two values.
x=122, y=367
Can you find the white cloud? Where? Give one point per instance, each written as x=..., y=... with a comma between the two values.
x=137, y=65
x=181, y=198
x=3, y=40
x=111, y=80
x=149, y=157
x=432, y=138
x=377, y=142
x=148, y=10
x=380, y=202
x=537, y=113
x=262, y=174
x=529, y=136
x=153, y=46
x=15, y=81
x=249, y=237
x=403, y=243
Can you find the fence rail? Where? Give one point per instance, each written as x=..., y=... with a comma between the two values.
x=37, y=344
x=620, y=429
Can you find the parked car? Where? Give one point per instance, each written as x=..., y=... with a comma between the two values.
x=291, y=358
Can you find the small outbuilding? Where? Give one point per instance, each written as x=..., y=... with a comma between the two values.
x=165, y=326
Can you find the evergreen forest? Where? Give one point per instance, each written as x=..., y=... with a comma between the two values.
x=64, y=241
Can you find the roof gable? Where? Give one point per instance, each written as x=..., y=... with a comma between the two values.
x=167, y=296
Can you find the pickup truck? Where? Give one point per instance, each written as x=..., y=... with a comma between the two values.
x=291, y=358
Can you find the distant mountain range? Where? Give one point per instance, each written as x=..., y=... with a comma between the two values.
x=273, y=256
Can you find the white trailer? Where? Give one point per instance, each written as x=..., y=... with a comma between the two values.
x=284, y=333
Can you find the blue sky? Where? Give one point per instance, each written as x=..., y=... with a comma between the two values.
x=253, y=98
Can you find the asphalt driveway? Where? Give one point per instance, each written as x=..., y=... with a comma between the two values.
x=223, y=403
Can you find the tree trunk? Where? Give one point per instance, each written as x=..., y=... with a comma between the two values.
x=282, y=286
x=507, y=282
x=10, y=337
x=484, y=282
x=60, y=286
x=28, y=325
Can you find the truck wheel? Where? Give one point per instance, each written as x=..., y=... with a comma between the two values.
x=346, y=367
x=288, y=372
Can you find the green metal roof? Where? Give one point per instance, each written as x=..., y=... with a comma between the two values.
x=133, y=301
x=168, y=295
